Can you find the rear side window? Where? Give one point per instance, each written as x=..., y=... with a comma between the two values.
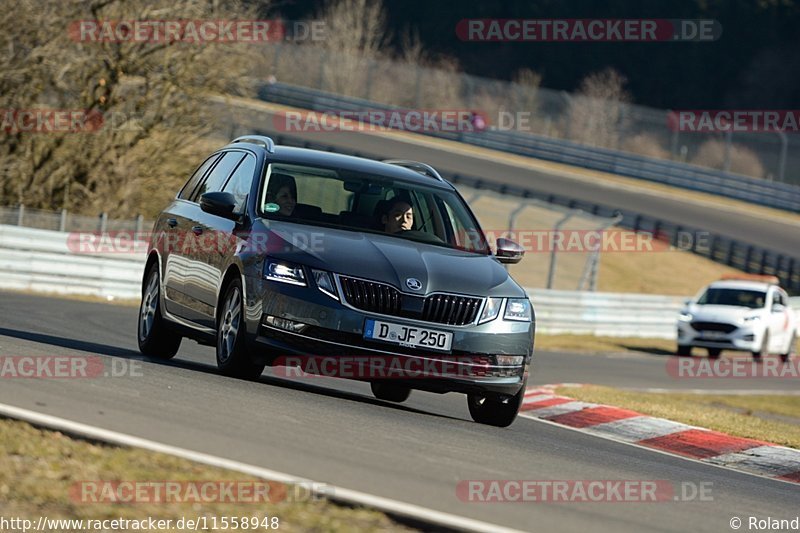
x=191, y=185
x=239, y=184
x=219, y=174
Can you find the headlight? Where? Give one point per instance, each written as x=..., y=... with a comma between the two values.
x=685, y=316
x=324, y=281
x=490, y=310
x=284, y=272
x=518, y=309
x=752, y=318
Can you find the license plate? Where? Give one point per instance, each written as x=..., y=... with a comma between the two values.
x=409, y=336
x=712, y=335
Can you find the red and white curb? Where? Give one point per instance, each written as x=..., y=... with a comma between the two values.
x=747, y=455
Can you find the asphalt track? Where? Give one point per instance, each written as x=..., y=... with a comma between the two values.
x=334, y=431
x=716, y=218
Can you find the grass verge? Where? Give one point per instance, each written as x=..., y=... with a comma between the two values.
x=751, y=416
x=40, y=472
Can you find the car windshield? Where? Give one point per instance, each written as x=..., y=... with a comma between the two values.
x=733, y=297
x=367, y=203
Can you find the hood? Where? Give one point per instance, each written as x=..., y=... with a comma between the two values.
x=721, y=313
x=390, y=259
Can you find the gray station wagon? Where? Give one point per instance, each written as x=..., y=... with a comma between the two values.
x=301, y=259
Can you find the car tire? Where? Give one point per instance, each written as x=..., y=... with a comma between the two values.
x=764, y=350
x=683, y=350
x=790, y=350
x=155, y=337
x=492, y=411
x=390, y=392
x=713, y=353
x=232, y=357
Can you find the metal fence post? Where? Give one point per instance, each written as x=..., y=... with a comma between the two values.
x=103, y=222
x=552, y=272
x=62, y=224
x=20, y=214
x=139, y=223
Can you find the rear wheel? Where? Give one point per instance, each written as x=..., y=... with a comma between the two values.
x=764, y=350
x=494, y=410
x=683, y=350
x=232, y=357
x=390, y=392
x=790, y=350
x=154, y=336
x=713, y=353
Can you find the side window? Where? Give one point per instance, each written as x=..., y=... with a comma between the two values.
x=239, y=184
x=191, y=185
x=219, y=174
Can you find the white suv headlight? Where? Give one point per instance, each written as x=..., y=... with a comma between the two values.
x=518, y=309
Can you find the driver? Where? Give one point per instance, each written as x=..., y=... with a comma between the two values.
x=399, y=216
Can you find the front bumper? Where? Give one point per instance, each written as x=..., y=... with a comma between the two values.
x=333, y=330
x=744, y=338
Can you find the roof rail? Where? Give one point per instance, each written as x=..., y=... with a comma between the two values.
x=416, y=165
x=261, y=140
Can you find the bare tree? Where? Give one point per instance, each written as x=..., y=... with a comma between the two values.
x=355, y=35
x=596, y=112
x=148, y=94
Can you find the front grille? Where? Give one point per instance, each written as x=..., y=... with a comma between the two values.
x=371, y=296
x=451, y=309
x=713, y=326
x=380, y=298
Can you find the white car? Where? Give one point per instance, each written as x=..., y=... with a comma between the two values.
x=749, y=315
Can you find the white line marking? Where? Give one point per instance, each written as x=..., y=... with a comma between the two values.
x=332, y=492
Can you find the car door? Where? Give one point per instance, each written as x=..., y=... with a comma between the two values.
x=780, y=326
x=170, y=232
x=200, y=249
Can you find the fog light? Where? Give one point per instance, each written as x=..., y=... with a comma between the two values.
x=750, y=337
x=282, y=323
x=509, y=360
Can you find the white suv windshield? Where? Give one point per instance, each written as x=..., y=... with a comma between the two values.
x=366, y=203
x=733, y=297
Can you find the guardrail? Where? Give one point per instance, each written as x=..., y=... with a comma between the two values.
x=677, y=174
x=43, y=261
x=737, y=254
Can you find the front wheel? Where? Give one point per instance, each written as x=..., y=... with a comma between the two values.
x=684, y=350
x=713, y=353
x=232, y=357
x=790, y=350
x=154, y=336
x=493, y=410
x=764, y=350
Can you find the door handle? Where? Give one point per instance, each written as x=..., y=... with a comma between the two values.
x=172, y=222
x=197, y=230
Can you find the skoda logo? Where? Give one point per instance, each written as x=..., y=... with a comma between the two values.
x=414, y=284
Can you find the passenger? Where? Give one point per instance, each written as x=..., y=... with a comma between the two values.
x=282, y=190
x=399, y=216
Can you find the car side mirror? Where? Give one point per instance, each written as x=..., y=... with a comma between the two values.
x=509, y=252
x=687, y=303
x=221, y=204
